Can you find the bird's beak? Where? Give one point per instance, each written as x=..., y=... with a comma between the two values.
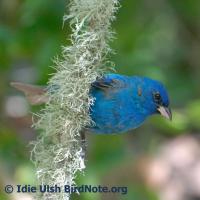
x=165, y=112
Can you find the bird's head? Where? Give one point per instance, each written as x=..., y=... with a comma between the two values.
x=156, y=99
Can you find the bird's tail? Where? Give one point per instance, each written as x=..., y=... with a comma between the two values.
x=36, y=95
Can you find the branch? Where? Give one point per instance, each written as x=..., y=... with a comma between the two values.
x=57, y=153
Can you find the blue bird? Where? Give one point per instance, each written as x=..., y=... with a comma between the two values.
x=121, y=102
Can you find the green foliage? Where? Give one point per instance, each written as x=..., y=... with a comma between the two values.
x=159, y=39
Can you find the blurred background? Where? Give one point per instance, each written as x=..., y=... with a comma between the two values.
x=159, y=39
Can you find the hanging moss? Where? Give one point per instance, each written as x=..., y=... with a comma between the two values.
x=57, y=152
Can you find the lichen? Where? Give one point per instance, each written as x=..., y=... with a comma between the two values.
x=57, y=153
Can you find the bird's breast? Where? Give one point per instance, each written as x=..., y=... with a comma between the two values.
x=114, y=112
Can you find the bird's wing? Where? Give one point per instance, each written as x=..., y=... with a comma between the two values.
x=106, y=83
x=36, y=95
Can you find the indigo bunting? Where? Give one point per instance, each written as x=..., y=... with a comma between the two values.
x=121, y=103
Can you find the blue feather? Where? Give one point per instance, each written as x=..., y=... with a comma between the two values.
x=123, y=103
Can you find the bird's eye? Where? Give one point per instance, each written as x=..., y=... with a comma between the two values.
x=157, y=97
